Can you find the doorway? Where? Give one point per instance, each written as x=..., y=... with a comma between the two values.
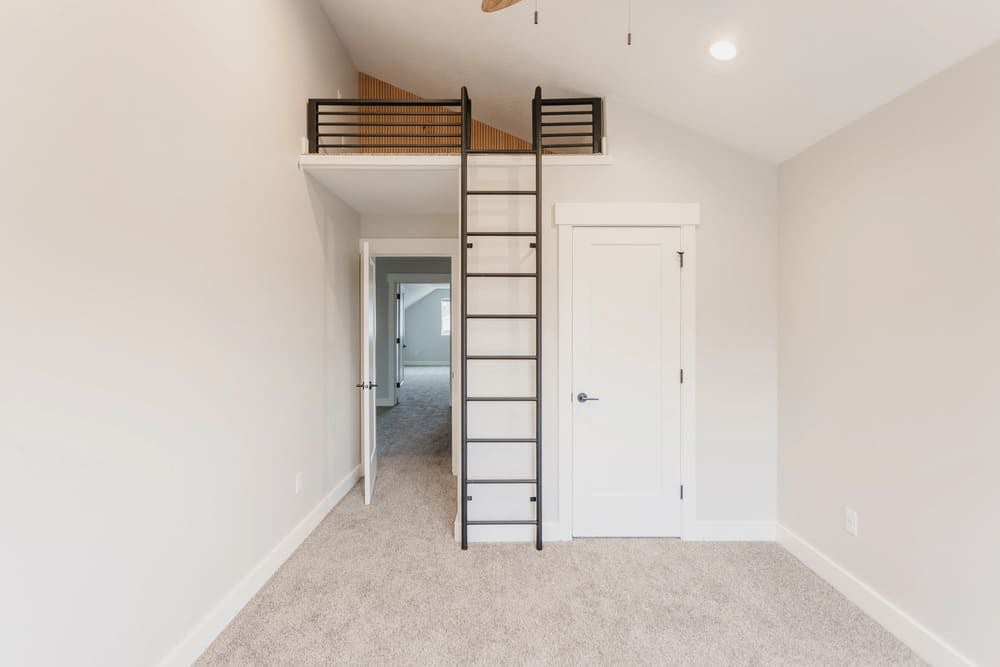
x=407, y=368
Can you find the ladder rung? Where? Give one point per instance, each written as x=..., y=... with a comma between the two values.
x=501, y=234
x=499, y=316
x=501, y=481
x=472, y=441
x=501, y=357
x=503, y=522
x=499, y=192
x=501, y=275
x=498, y=399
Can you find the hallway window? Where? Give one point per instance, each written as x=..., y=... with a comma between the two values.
x=445, y=317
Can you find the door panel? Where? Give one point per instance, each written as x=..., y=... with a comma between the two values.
x=369, y=448
x=400, y=378
x=626, y=354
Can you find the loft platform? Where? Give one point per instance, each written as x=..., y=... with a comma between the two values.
x=405, y=156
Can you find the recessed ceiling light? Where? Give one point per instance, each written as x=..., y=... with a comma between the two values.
x=723, y=50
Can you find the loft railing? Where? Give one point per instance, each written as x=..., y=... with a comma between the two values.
x=572, y=123
x=385, y=126
x=568, y=125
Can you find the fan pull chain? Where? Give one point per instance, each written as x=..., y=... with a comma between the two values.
x=536, y=12
x=629, y=40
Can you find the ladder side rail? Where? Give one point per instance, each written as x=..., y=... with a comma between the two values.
x=466, y=140
x=536, y=113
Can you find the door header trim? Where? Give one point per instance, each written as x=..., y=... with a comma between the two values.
x=627, y=214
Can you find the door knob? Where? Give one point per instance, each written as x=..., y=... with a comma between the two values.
x=583, y=398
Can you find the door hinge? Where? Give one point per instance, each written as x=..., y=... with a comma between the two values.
x=682, y=376
x=682, y=492
x=398, y=340
x=680, y=254
x=397, y=296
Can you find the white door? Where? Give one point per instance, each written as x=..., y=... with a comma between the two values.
x=626, y=382
x=369, y=449
x=399, y=340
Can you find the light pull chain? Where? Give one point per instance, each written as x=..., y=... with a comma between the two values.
x=536, y=12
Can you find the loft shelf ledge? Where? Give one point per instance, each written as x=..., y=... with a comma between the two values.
x=358, y=161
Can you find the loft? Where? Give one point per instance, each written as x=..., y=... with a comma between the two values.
x=409, y=126
x=436, y=137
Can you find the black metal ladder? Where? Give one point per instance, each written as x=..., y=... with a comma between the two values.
x=536, y=481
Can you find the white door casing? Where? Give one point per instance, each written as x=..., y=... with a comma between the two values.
x=626, y=331
x=369, y=446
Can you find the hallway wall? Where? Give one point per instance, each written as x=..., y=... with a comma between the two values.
x=167, y=364
x=425, y=344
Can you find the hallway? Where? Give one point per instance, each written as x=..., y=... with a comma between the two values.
x=387, y=584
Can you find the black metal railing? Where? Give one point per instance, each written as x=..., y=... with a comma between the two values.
x=568, y=125
x=572, y=124
x=385, y=126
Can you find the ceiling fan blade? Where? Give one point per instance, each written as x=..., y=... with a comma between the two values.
x=497, y=5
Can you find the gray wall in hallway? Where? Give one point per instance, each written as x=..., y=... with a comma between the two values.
x=425, y=345
x=383, y=301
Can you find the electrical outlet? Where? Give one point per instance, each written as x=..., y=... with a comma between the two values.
x=851, y=521
x=298, y=483
x=339, y=96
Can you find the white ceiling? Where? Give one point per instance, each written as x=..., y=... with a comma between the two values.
x=805, y=69
x=393, y=190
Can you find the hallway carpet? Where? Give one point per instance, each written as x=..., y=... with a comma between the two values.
x=387, y=584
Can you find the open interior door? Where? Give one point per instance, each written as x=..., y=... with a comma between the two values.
x=399, y=340
x=369, y=449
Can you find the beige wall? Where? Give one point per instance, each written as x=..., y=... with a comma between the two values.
x=164, y=269
x=889, y=357
x=736, y=294
x=736, y=336
x=427, y=226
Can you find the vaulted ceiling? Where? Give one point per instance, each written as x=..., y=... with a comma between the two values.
x=806, y=67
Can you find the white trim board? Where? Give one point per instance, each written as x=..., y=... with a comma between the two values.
x=186, y=651
x=686, y=216
x=909, y=630
x=313, y=162
x=729, y=531
x=627, y=214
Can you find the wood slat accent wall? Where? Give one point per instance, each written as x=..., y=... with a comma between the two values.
x=484, y=137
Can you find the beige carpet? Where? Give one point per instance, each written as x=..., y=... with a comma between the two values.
x=386, y=584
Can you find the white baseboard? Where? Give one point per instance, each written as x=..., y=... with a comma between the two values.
x=923, y=641
x=208, y=628
x=702, y=531
x=384, y=402
x=730, y=531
